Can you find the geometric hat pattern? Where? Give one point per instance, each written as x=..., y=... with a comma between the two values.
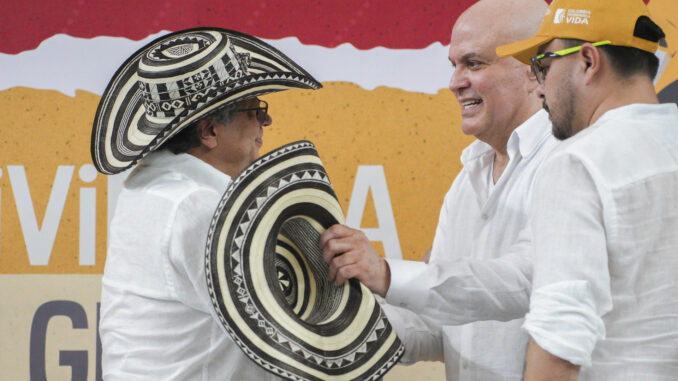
x=178, y=79
x=268, y=281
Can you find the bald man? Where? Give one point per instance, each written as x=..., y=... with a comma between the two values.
x=479, y=269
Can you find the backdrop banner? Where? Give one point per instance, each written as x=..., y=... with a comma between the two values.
x=385, y=125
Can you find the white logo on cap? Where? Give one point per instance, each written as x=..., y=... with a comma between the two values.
x=560, y=16
x=572, y=16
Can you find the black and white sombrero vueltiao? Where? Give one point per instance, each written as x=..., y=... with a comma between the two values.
x=268, y=281
x=177, y=79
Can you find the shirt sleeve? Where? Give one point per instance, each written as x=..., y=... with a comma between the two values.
x=465, y=290
x=186, y=268
x=422, y=339
x=571, y=279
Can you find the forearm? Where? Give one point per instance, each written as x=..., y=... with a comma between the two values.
x=422, y=338
x=463, y=291
x=540, y=365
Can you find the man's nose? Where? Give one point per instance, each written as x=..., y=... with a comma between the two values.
x=458, y=81
x=268, y=120
x=540, y=90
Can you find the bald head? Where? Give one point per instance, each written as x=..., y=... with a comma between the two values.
x=496, y=95
x=505, y=20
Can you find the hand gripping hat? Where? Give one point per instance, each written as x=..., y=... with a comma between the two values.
x=178, y=79
x=616, y=21
x=268, y=281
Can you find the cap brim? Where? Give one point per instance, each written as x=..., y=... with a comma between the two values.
x=523, y=50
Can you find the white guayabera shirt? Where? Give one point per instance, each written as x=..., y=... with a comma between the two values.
x=605, y=231
x=478, y=270
x=157, y=320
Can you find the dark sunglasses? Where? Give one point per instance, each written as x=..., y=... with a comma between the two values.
x=262, y=111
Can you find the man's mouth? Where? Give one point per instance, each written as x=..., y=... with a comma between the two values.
x=465, y=105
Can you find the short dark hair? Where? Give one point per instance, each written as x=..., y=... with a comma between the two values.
x=183, y=141
x=188, y=138
x=627, y=61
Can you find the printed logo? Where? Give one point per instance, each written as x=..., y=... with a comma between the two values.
x=572, y=16
x=560, y=16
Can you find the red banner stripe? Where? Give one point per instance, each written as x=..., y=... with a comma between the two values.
x=364, y=23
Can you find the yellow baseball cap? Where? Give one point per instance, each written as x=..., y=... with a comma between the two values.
x=588, y=20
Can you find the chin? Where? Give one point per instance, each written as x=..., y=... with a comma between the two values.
x=471, y=128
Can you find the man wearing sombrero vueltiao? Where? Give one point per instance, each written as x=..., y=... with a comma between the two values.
x=186, y=108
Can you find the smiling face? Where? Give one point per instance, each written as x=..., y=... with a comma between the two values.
x=492, y=91
x=496, y=95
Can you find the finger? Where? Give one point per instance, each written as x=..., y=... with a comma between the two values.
x=335, y=247
x=345, y=273
x=359, y=240
x=334, y=231
x=338, y=262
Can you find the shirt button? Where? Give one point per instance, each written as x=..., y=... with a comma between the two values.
x=464, y=364
x=484, y=216
x=404, y=305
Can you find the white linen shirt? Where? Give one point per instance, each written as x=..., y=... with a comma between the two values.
x=605, y=231
x=157, y=320
x=478, y=269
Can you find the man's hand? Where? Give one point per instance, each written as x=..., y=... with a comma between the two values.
x=349, y=254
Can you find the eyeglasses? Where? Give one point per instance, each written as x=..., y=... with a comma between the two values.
x=540, y=70
x=262, y=111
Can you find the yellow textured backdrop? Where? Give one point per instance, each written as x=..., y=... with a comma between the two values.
x=415, y=137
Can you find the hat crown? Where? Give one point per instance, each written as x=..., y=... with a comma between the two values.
x=592, y=21
x=173, y=81
x=178, y=48
x=595, y=21
x=269, y=284
x=184, y=69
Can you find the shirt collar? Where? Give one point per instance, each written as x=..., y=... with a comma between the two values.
x=632, y=111
x=189, y=166
x=525, y=139
x=531, y=133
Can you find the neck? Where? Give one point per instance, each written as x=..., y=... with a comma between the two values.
x=498, y=142
x=209, y=157
x=636, y=89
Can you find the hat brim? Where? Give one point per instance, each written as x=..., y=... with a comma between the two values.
x=121, y=133
x=523, y=50
x=268, y=281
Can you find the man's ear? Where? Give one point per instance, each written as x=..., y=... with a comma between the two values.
x=206, y=133
x=591, y=62
x=531, y=82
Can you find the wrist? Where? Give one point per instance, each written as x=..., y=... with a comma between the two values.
x=386, y=271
